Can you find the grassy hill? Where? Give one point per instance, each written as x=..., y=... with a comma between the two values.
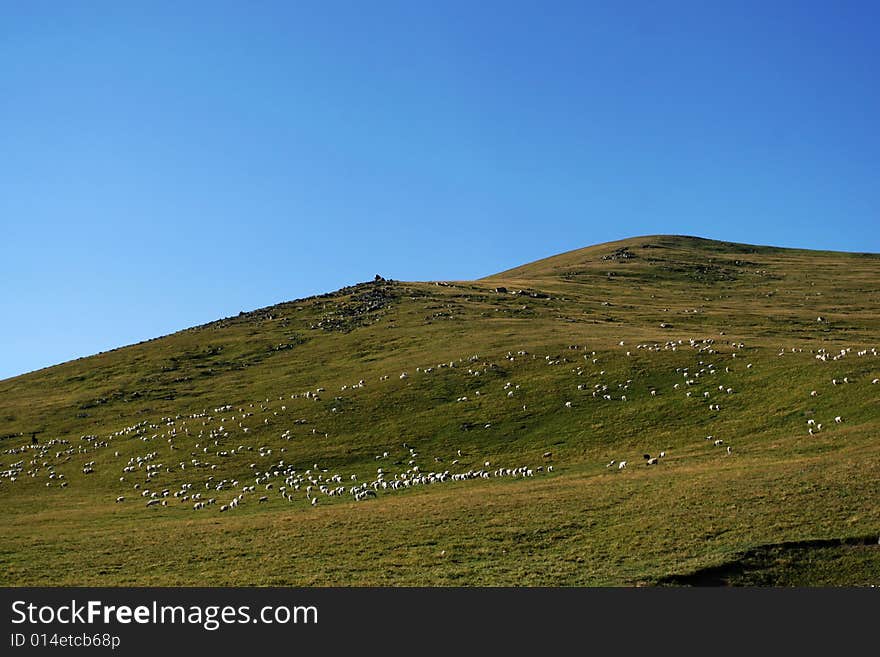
x=607, y=353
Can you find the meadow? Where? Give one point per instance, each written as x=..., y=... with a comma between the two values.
x=531, y=386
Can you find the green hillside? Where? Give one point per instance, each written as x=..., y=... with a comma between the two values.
x=483, y=417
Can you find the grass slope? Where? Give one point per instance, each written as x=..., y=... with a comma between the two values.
x=783, y=507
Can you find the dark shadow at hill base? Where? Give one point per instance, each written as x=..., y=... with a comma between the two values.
x=791, y=563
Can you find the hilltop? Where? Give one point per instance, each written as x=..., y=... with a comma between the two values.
x=548, y=372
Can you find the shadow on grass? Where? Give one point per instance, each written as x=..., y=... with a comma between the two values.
x=852, y=561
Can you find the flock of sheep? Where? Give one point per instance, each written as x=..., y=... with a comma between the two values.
x=691, y=376
x=198, y=447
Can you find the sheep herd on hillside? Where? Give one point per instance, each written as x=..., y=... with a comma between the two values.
x=199, y=447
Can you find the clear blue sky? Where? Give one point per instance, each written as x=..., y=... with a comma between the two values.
x=164, y=164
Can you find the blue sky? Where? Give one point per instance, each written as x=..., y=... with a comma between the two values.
x=164, y=164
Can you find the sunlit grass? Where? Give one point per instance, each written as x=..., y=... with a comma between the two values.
x=583, y=524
